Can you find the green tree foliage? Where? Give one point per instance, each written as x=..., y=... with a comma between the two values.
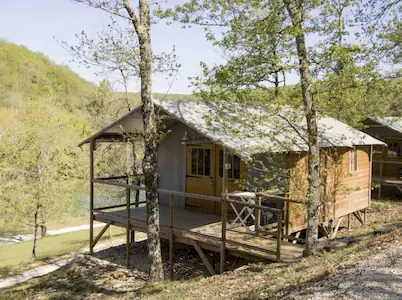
x=41, y=168
x=25, y=74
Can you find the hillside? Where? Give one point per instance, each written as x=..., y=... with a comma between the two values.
x=26, y=74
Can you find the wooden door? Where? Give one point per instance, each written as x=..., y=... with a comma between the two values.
x=200, y=176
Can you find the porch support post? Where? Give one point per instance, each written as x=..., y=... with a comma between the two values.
x=128, y=241
x=380, y=187
x=370, y=175
x=91, y=195
x=279, y=236
x=257, y=215
x=224, y=212
x=171, y=239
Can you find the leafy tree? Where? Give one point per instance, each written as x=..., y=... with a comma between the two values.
x=136, y=61
x=265, y=42
x=41, y=168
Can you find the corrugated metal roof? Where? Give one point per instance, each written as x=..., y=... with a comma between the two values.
x=394, y=123
x=256, y=130
x=251, y=130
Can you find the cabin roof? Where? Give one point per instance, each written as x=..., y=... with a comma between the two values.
x=242, y=129
x=395, y=123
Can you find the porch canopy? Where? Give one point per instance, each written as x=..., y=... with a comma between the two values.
x=240, y=128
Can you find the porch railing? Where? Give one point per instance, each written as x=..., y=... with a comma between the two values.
x=261, y=233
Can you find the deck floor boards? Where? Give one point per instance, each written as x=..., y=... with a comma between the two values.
x=189, y=223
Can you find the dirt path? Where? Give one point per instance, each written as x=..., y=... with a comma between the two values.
x=379, y=277
x=37, y=272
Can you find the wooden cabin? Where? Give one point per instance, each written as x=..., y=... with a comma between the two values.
x=260, y=161
x=387, y=161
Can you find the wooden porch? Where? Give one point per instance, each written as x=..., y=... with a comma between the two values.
x=205, y=230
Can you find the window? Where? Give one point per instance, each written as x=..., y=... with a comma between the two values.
x=201, y=161
x=353, y=160
x=395, y=149
x=234, y=161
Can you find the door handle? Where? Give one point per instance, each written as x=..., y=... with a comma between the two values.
x=212, y=180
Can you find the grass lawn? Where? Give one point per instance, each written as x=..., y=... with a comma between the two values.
x=16, y=257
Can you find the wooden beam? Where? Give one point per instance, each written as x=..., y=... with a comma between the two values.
x=297, y=236
x=204, y=258
x=365, y=215
x=128, y=228
x=323, y=230
x=224, y=211
x=91, y=195
x=100, y=234
x=379, y=188
x=279, y=237
x=370, y=180
x=358, y=217
x=257, y=216
x=137, y=193
x=171, y=239
x=338, y=223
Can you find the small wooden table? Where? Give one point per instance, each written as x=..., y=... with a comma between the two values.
x=248, y=198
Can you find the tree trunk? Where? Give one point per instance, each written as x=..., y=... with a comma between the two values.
x=43, y=227
x=313, y=197
x=35, y=233
x=43, y=230
x=143, y=29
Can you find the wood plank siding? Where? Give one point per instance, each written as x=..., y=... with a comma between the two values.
x=345, y=191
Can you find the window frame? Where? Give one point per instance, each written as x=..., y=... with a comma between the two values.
x=231, y=160
x=197, y=162
x=353, y=160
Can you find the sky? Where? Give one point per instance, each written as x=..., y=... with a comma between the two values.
x=40, y=24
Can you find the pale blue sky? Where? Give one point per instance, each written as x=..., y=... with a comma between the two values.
x=34, y=23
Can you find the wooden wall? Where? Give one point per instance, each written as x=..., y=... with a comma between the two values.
x=355, y=189
x=344, y=192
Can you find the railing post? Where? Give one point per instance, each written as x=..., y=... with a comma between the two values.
x=137, y=192
x=279, y=237
x=128, y=208
x=380, y=187
x=224, y=212
x=257, y=215
x=171, y=241
x=91, y=195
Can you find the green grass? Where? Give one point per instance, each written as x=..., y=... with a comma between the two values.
x=17, y=257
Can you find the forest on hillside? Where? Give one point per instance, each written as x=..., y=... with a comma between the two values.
x=45, y=111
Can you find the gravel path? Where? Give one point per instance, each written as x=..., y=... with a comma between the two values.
x=379, y=277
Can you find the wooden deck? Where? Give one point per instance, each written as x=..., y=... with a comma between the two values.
x=205, y=229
